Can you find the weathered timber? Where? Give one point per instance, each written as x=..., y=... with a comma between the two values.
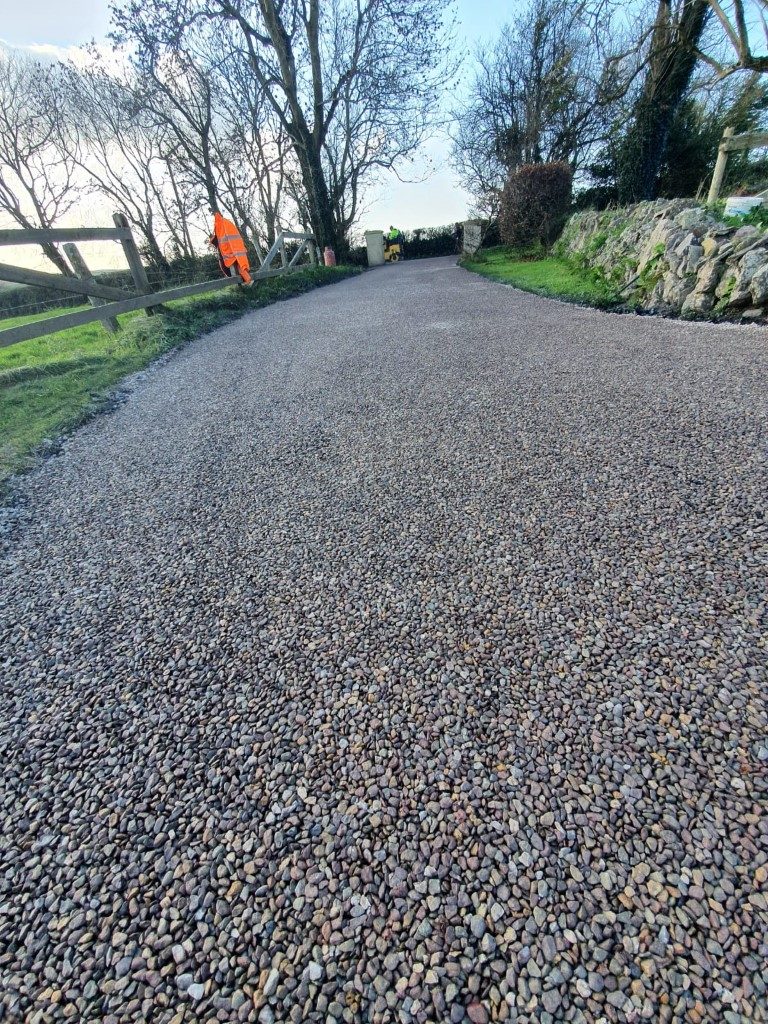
x=80, y=267
x=39, y=328
x=132, y=255
x=24, y=332
x=84, y=283
x=23, y=275
x=732, y=143
x=750, y=140
x=33, y=236
x=298, y=254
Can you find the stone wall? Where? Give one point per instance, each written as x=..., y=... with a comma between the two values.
x=673, y=256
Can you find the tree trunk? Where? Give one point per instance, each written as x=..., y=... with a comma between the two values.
x=307, y=141
x=270, y=222
x=671, y=63
x=53, y=254
x=319, y=203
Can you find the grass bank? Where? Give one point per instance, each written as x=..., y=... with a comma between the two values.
x=542, y=273
x=50, y=385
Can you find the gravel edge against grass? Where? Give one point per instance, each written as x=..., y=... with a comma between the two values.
x=498, y=265
x=569, y=300
x=162, y=336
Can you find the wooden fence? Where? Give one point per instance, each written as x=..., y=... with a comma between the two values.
x=107, y=301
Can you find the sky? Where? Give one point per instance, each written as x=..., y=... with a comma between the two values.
x=432, y=196
x=79, y=21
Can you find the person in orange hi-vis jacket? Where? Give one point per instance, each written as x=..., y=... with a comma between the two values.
x=228, y=242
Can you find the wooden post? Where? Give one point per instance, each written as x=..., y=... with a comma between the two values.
x=139, y=274
x=719, y=171
x=79, y=266
x=283, y=254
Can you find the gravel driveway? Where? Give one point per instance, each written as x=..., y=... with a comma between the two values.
x=396, y=654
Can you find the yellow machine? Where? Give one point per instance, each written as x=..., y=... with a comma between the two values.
x=392, y=252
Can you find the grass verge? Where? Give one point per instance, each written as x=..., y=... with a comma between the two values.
x=535, y=271
x=50, y=385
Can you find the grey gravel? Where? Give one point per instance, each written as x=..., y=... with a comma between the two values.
x=395, y=654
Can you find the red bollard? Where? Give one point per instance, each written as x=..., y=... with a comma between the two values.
x=329, y=257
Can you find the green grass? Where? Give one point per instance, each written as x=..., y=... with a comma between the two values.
x=50, y=385
x=543, y=274
x=14, y=321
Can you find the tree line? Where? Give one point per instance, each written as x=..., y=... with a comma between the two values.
x=276, y=112
x=284, y=112
x=633, y=98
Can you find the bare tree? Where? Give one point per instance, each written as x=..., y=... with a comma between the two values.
x=179, y=210
x=538, y=95
x=379, y=124
x=176, y=92
x=189, y=131
x=38, y=182
x=741, y=23
x=305, y=55
x=223, y=146
x=253, y=153
x=119, y=148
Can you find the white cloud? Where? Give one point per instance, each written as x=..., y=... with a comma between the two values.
x=43, y=51
x=77, y=55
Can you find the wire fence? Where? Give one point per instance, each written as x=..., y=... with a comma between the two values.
x=31, y=308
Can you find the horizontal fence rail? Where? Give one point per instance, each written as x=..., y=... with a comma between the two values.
x=20, y=275
x=120, y=301
x=34, y=236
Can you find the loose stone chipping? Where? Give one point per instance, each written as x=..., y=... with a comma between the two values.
x=395, y=654
x=673, y=257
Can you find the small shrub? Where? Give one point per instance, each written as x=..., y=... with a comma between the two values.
x=535, y=203
x=357, y=256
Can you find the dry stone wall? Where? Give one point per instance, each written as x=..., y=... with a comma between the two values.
x=673, y=256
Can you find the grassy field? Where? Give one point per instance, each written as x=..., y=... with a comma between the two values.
x=50, y=385
x=541, y=273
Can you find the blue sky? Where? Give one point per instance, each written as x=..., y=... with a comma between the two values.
x=69, y=24
x=54, y=22
x=438, y=200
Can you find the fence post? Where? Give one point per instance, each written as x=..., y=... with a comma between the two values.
x=139, y=274
x=719, y=172
x=81, y=270
x=283, y=254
